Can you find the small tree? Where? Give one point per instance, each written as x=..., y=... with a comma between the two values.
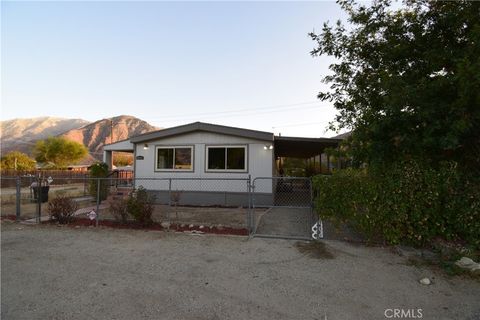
x=406, y=80
x=16, y=160
x=98, y=170
x=59, y=151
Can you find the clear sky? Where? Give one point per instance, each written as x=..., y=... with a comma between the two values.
x=244, y=64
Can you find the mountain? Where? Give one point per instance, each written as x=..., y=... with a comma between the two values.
x=21, y=134
x=95, y=135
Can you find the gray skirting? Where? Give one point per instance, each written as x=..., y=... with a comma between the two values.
x=211, y=198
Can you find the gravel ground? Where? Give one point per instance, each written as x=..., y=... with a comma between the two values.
x=53, y=272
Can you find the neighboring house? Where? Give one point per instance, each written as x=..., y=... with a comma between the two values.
x=207, y=161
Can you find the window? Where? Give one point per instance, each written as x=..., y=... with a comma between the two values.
x=227, y=158
x=174, y=158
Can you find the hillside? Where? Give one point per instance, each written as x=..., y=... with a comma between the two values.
x=99, y=133
x=21, y=134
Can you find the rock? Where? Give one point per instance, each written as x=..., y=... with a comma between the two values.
x=166, y=225
x=190, y=226
x=182, y=225
x=468, y=264
x=425, y=281
x=220, y=227
x=201, y=227
x=465, y=262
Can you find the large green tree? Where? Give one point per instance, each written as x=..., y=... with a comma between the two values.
x=17, y=161
x=406, y=80
x=59, y=151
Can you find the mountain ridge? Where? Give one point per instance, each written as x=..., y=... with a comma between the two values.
x=21, y=134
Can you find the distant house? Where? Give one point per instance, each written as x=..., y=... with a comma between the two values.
x=199, y=156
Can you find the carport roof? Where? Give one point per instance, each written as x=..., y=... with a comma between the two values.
x=298, y=147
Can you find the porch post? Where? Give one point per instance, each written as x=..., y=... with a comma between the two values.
x=108, y=159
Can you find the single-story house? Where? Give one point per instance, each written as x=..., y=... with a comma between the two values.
x=209, y=162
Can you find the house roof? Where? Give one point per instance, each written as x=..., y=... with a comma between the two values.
x=206, y=127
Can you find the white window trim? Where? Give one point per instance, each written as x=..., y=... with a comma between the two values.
x=156, y=169
x=245, y=147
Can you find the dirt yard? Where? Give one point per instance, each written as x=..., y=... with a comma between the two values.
x=53, y=272
x=233, y=217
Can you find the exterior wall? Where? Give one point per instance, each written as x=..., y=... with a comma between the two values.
x=259, y=164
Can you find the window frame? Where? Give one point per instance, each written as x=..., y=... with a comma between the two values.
x=174, y=147
x=226, y=147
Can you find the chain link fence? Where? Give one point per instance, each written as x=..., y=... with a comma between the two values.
x=221, y=203
x=289, y=203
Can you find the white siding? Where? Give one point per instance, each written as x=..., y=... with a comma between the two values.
x=124, y=145
x=259, y=163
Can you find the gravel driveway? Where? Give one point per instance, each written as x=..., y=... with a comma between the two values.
x=53, y=272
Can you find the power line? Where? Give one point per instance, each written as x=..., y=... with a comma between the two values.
x=274, y=108
x=300, y=124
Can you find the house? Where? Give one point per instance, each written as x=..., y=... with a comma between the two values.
x=207, y=163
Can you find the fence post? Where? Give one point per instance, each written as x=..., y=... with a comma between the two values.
x=18, y=199
x=169, y=192
x=85, y=184
x=39, y=198
x=98, y=202
x=250, y=218
x=312, y=210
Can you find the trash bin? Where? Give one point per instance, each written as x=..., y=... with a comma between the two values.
x=44, y=193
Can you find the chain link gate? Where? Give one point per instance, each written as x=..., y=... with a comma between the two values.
x=282, y=207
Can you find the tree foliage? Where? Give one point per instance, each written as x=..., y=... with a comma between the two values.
x=59, y=151
x=121, y=159
x=16, y=160
x=407, y=80
x=99, y=170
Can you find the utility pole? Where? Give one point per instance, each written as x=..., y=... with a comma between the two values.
x=111, y=131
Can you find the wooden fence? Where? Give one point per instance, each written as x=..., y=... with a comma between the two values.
x=28, y=176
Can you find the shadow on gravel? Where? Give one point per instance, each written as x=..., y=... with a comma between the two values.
x=314, y=249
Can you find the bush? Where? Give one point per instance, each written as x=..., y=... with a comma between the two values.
x=140, y=206
x=98, y=170
x=62, y=209
x=406, y=202
x=118, y=208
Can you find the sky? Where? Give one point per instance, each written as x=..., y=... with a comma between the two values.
x=242, y=64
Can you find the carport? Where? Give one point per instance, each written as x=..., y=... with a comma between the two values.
x=310, y=149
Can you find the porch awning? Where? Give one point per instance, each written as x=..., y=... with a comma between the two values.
x=297, y=147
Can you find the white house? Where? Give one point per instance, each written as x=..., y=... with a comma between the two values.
x=207, y=163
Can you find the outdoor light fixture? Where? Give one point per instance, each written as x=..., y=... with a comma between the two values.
x=145, y=146
x=265, y=147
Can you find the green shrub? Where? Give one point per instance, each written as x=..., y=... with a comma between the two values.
x=140, y=206
x=62, y=209
x=406, y=202
x=98, y=170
